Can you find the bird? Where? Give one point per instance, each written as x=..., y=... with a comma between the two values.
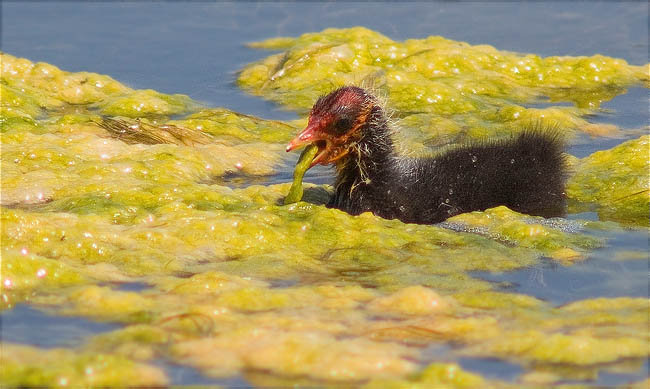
x=526, y=172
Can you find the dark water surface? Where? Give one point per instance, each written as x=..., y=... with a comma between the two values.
x=196, y=48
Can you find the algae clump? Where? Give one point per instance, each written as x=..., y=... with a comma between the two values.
x=617, y=181
x=24, y=366
x=477, y=87
x=442, y=375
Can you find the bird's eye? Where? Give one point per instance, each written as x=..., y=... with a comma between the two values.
x=342, y=125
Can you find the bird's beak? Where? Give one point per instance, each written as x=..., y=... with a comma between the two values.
x=307, y=136
x=313, y=134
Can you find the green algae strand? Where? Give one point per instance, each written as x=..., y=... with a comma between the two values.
x=304, y=162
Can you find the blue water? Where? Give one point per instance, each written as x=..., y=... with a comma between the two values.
x=185, y=375
x=492, y=368
x=26, y=325
x=600, y=274
x=196, y=48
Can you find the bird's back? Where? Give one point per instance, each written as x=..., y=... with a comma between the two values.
x=526, y=174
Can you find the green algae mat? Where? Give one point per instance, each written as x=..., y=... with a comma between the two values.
x=103, y=186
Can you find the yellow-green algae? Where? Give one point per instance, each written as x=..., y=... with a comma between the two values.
x=448, y=85
x=437, y=375
x=536, y=232
x=31, y=87
x=24, y=366
x=238, y=284
x=618, y=180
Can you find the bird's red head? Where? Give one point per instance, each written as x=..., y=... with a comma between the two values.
x=335, y=123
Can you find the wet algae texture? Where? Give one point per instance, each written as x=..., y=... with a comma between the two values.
x=100, y=187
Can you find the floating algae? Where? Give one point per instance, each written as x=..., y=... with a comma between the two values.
x=238, y=285
x=24, y=366
x=616, y=180
x=437, y=375
x=507, y=226
x=304, y=163
x=477, y=90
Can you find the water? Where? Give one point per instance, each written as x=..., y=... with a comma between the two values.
x=615, y=378
x=492, y=368
x=27, y=325
x=30, y=326
x=601, y=274
x=185, y=375
x=196, y=49
x=132, y=286
x=628, y=111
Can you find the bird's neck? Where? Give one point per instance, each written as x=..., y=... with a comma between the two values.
x=371, y=156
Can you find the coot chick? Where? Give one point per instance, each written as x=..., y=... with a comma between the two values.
x=525, y=173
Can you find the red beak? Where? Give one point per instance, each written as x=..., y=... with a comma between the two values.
x=307, y=136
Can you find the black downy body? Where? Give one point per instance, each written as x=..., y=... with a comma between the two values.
x=525, y=173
